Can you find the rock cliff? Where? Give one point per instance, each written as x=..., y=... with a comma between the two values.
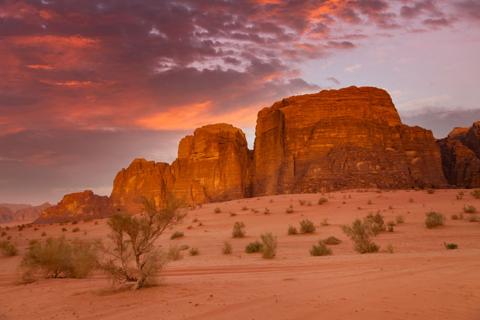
x=461, y=156
x=334, y=139
x=76, y=206
x=213, y=165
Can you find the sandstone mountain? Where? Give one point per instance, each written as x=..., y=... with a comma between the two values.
x=213, y=164
x=347, y=138
x=461, y=156
x=334, y=139
x=76, y=206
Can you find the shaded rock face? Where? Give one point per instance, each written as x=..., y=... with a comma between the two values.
x=76, y=206
x=461, y=156
x=347, y=138
x=213, y=164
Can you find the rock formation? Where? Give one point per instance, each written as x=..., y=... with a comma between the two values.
x=213, y=164
x=334, y=139
x=76, y=206
x=21, y=213
x=461, y=156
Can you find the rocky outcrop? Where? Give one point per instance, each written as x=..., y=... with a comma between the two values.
x=76, y=206
x=347, y=138
x=213, y=164
x=461, y=156
x=22, y=213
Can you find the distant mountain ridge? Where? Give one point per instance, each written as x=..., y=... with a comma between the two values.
x=22, y=213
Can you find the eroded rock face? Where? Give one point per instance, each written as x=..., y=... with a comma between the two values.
x=212, y=165
x=347, y=138
x=76, y=206
x=461, y=156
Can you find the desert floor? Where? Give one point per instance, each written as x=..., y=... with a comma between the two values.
x=420, y=280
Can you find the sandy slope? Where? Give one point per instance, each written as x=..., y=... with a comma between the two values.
x=421, y=280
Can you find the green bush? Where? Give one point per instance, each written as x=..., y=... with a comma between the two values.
x=399, y=219
x=238, y=230
x=375, y=223
x=292, y=231
x=434, y=219
x=322, y=201
x=359, y=232
x=8, y=249
x=194, y=251
x=476, y=193
x=176, y=235
x=307, y=226
x=269, y=246
x=450, y=246
x=227, y=248
x=320, y=249
x=58, y=258
x=254, y=247
x=332, y=241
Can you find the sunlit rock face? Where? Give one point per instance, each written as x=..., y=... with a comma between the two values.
x=461, y=156
x=334, y=139
x=142, y=179
x=213, y=164
x=76, y=206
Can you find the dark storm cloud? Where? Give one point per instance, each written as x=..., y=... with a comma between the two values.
x=80, y=80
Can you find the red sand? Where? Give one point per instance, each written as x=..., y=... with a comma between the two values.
x=420, y=280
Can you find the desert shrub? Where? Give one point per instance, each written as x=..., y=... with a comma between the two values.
x=238, y=230
x=227, y=248
x=174, y=253
x=389, y=249
x=244, y=208
x=269, y=246
x=292, y=231
x=194, y=251
x=76, y=229
x=391, y=228
x=370, y=202
x=232, y=214
x=331, y=241
x=434, y=219
x=217, y=210
x=469, y=209
x=302, y=202
x=430, y=191
x=375, y=223
x=324, y=222
x=460, y=195
x=454, y=217
x=307, y=226
x=473, y=219
x=450, y=246
x=177, y=235
x=74, y=222
x=476, y=193
x=289, y=209
x=399, y=219
x=359, y=232
x=320, y=249
x=253, y=247
x=322, y=201
x=64, y=229
x=134, y=256
x=58, y=258
x=266, y=211
x=3, y=234
x=44, y=234
x=8, y=249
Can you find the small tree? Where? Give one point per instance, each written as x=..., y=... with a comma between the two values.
x=134, y=257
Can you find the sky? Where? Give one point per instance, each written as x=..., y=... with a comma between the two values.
x=87, y=86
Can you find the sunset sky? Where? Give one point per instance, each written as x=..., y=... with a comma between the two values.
x=86, y=86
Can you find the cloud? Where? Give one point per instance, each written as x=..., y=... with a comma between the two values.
x=333, y=80
x=353, y=68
